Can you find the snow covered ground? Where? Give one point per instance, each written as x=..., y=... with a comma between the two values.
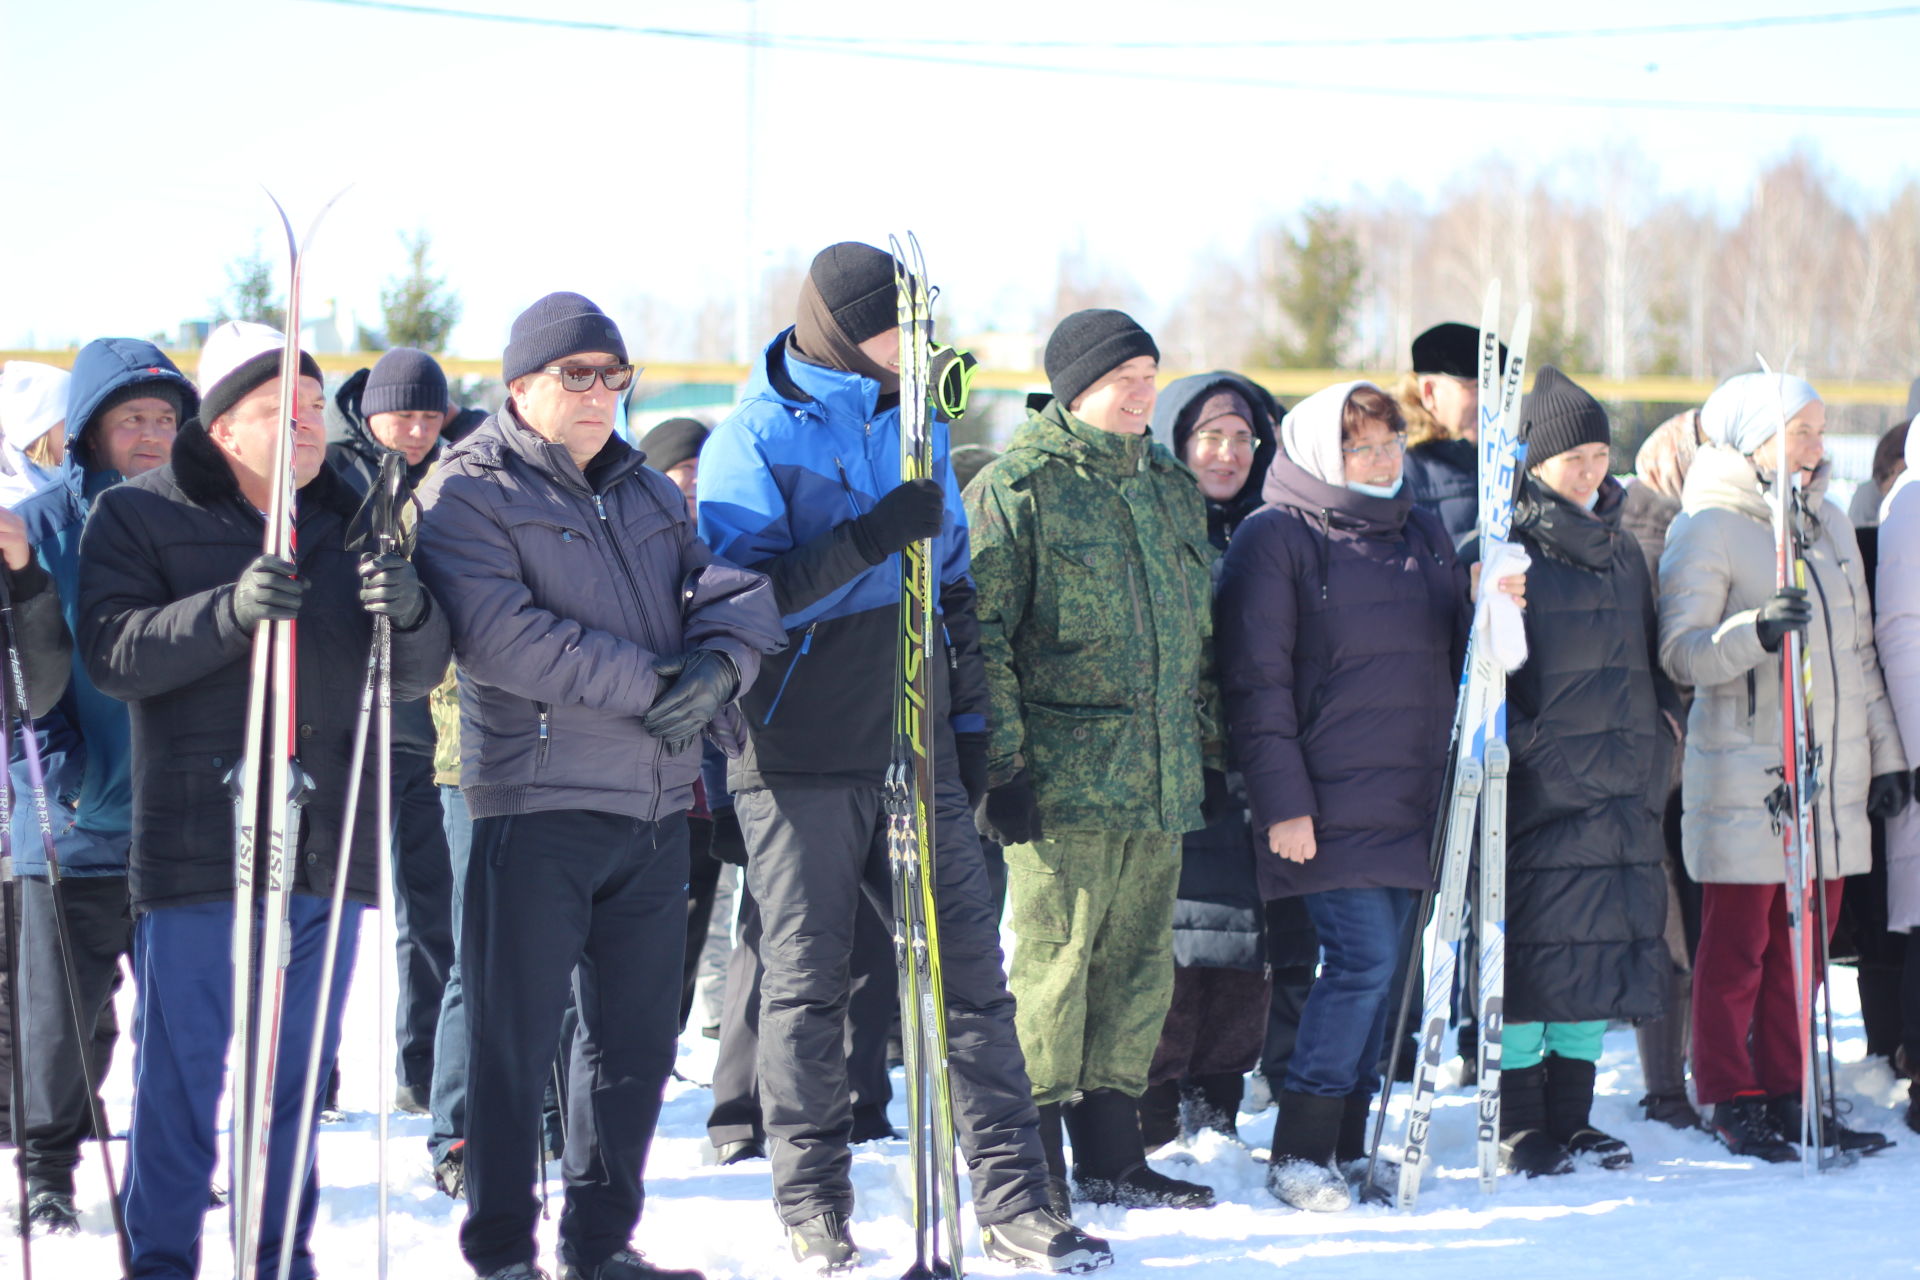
x=1685, y=1209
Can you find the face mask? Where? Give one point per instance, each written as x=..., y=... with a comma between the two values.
x=1593, y=500
x=1378, y=490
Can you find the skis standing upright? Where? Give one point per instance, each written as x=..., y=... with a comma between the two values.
x=1792, y=802
x=909, y=804
x=1477, y=792
x=270, y=750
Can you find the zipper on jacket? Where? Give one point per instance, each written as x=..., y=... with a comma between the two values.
x=806, y=643
x=1133, y=589
x=640, y=602
x=847, y=486
x=545, y=735
x=1752, y=702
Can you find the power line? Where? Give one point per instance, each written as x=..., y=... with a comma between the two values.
x=1377, y=42
x=815, y=45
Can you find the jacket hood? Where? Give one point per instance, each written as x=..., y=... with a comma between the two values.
x=1724, y=477
x=1569, y=532
x=107, y=365
x=1054, y=431
x=810, y=389
x=1310, y=433
x=345, y=423
x=1174, y=413
x=1666, y=455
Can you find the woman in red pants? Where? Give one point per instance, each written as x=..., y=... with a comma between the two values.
x=1722, y=624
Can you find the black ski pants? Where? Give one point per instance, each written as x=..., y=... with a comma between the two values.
x=59, y=1115
x=810, y=854
x=871, y=1006
x=422, y=917
x=598, y=899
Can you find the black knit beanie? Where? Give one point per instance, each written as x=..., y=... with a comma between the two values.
x=559, y=325
x=856, y=282
x=173, y=390
x=1088, y=345
x=404, y=380
x=673, y=442
x=1558, y=415
x=1453, y=349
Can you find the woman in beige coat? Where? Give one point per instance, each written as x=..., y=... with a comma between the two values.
x=1721, y=626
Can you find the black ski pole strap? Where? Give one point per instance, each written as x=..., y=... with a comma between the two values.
x=381, y=524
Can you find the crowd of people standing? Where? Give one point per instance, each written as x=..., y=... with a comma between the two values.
x=1197, y=666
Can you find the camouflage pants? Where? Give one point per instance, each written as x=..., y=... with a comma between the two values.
x=1092, y=916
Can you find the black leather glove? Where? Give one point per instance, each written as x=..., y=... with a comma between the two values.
x=970, y=758
x=705, y=680
x=912, y=511
x=267, y=592
x=1889, y=793
x=1011, y=812
x=390, y=586
x=1785, y=610
x=729, y=842
x=1217, y=801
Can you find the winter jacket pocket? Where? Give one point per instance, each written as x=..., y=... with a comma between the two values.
x=1038, y=895
x=1093, y=593
x=1196, y=582
x=1072, y=752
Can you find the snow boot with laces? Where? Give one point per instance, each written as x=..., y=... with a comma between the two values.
x=1747, y=1128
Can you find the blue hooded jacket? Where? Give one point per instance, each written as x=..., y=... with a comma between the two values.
x=86, y=741
x=781, y=482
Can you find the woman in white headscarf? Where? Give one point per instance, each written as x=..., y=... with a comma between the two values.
x=1722, y=623
x=33, y=428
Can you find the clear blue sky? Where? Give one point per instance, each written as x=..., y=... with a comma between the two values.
x=612, y=163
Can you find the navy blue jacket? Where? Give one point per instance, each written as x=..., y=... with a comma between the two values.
x=1443, y=477
x=781, y=481
x=1341, y=629
x=86, y=741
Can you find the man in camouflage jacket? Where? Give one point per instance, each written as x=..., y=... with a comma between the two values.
x=1091, y=558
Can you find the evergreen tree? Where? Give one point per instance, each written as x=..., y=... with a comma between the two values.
x=1319, y=288
x=250, y=292
x=420, y=310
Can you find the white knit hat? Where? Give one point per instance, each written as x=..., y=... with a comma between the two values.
x=33, y=400
x=239, y=356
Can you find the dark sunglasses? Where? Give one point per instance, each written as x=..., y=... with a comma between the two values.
x=579, y=377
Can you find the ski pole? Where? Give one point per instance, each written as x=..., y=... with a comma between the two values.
x=17, y=1101
x=63, y=934
x=329, y=958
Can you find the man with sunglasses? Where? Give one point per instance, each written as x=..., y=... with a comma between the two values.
x=599, y=641
x=803, y=482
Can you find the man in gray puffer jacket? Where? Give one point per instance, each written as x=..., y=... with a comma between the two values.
x=600, y=641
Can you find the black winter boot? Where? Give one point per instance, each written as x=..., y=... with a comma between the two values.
x=1160, y=1114
x=1356, y=1113
x=1526, y=1147
x=1301, y=1171
x=824, y=1245
x=1054, y=1145
x=1786, y=1113
x=1570, y=1111
x=1906, y=1066
x=1041, y=1240
x=1748, y=1129
x=1212, y=1102
x=1110, y=1160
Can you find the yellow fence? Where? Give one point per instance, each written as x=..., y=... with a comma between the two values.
x=1289, y=383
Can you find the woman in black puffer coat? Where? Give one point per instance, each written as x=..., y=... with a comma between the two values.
x=1592, y=722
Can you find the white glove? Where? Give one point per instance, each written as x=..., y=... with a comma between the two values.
x=1498, y=625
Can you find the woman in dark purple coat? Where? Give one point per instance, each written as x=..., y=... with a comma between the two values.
x=1342, y=618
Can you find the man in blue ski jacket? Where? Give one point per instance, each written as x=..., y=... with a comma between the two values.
x=124, y=404
x=802, y=483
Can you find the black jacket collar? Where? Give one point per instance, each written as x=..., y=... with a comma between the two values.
x=206, y=478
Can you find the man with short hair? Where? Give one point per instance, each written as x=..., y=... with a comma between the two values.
x=599, y=642
x=124, y=404
x=173, y=586
x=398, y=406
x=1096, y=622
x=1441, y=400
x=803, y=482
